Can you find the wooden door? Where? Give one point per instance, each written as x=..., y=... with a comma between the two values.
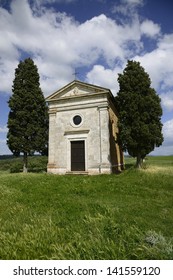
x=77, y=156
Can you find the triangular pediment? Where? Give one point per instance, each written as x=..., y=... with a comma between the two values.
x=76, y=89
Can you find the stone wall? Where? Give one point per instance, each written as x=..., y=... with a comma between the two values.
x=97, y=129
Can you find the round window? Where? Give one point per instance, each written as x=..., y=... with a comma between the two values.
x=77, y=120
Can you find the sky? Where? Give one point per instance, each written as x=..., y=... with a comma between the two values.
x=94, y=38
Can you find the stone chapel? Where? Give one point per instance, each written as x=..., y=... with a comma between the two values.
x=83, y=131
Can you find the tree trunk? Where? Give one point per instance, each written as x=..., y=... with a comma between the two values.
x=139, y=161
x=25, y=162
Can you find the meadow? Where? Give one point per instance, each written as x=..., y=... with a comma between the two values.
x=126, y=216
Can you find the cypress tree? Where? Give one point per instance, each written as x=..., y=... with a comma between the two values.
x=28, y=116
x=140, y=127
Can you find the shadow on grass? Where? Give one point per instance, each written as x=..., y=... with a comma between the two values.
x=129, y=166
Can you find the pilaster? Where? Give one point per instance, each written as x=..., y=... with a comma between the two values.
x=52, y=124
x=105, y=165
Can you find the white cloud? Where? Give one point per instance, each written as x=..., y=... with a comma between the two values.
x=162, y=151
x=3, y=148
x=3, y=129
x=167, y=146
x=43, y=37
x=158, y=61
x=167, y=100
x=133, y=2
x=58, y=43
x=39, y=4
x=168, y=133
x=149, y=28
x=166, y=42
x=127, y=8
x=99, y=75
x=159, y=65
x=44, y=2
x=154, y=64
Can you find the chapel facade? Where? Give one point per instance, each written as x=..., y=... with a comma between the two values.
x=83, y=131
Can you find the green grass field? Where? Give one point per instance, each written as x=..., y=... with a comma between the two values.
x=125, y=216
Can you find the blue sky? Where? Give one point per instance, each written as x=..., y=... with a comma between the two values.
x=95, y=37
